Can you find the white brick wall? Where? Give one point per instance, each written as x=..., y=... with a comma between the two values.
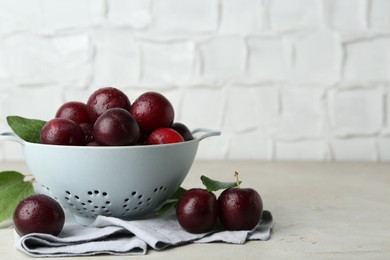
x=282, y=80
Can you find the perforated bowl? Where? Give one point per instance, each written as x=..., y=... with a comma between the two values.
x=121, y=181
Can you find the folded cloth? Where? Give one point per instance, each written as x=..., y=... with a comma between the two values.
x=108, y=235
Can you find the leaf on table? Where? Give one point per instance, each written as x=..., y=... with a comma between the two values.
x=171, y=202
x=213, y=185
x=12, y=190
x=27, y=129
x=178, y=193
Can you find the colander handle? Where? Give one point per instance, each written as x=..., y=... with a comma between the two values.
x=9, y=136
x=202, y=133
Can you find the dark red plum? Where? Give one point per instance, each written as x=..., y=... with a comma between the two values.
x=75, y=111
x=164, y=136
x=152, y=111
x=240, y=208
x=105, y=98
x=38, y=213
x=183, y=130
x=59, y=131
x=197, y=211
x=116, y=126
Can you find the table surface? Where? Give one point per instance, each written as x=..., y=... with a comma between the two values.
x=322, y=210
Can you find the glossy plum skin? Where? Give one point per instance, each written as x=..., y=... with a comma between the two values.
x=116, y=126
x=38, y=213
x=75, y=111
x=240, y=208
x=59, y=131
x=105, y=98
x=164, y=136
x=152, y=111
x=183, y=130
x=197, y=211
x=88, y=132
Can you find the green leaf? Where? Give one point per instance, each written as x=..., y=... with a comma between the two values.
x=171, y=202
x=166, y=207
x=178, y=193
x=25, y=128
x=12, y=190
x=213, y=185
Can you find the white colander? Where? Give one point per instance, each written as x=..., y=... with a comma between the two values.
x=121, y=181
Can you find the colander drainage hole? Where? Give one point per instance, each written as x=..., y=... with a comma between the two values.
x=161, y=188
x=44, y=187
x=97, y=192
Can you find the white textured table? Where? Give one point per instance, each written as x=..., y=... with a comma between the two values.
x=321, y=211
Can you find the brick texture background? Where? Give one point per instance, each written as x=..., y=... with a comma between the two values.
x=282, y=80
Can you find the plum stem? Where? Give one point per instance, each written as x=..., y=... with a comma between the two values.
x=29, y=178
x=237, y=180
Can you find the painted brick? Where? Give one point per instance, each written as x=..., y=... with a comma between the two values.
x=282, y=80
x=70, y=93
x=214, y=148
x=3, y=123
x=72, y=14
x=268, y=58
x=223, y=57
x=240, y=113
x=2, y=149
x=293, y=15
x=346, y=15
x=3, y=67
x=356, y=111
x=384, y=148
x=167, y=61
x=3, y=126
x=354, y=149
x=133, y=13
x=12, y=152
x=380, y=15
x=20, y=100
x=185, y=16
x=19, y=15
x=251, y=107
x=202, y=107
x=117, y=60
x=386, y=109
x=318, y=58
x=366, y=60
x=302, y=113
x=253, y=145
x=302, y=150
x=241, y=16
x=32, y=59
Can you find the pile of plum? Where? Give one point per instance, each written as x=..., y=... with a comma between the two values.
x=109, y=119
